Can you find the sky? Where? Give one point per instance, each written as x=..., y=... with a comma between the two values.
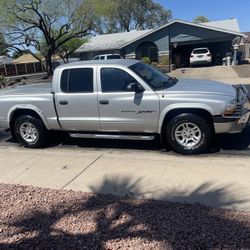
x=213, y=9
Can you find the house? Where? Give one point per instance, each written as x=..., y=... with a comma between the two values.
x=5, y=60
x=173, y=41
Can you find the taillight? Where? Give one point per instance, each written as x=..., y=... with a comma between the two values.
x=209, y=55
x=191, y=56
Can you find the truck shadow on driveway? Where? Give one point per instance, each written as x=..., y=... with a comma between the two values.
x=68, y=220
x=222, y=142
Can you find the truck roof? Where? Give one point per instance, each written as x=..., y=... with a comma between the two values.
x=123, y=62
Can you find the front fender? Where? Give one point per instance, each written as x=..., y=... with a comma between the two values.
x=182, y=106
x=27, y=107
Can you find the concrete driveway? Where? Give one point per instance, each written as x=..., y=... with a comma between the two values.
x=221, y=178
x=216, y=73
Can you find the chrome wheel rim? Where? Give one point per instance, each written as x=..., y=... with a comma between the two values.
x=188, y=135
x=28, y=132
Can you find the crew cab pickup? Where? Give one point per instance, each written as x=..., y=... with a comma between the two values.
x=124, y=99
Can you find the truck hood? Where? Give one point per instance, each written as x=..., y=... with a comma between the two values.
x=38, y=88
x=195, y=86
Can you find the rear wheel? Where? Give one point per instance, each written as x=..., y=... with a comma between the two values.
x=30, y=131
x=189, y=134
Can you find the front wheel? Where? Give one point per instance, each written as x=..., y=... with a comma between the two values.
x=30, y=131
x=189, y=134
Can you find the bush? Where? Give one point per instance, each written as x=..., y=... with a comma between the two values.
x=155, y=64
x=1, y=80
x=164, y=60
x=146, y=60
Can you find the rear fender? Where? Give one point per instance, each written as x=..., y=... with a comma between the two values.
x=27, y=107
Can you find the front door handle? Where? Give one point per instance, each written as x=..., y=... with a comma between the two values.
x=104, y=102
x=63, y=102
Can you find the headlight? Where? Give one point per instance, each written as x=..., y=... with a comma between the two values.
x=231, y=108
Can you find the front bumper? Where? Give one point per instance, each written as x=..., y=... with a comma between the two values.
x=234, y=123
x=225, y=125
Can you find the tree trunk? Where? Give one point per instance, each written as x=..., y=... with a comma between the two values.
x=49, y=68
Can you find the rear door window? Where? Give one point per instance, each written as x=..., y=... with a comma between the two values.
x=77, y=80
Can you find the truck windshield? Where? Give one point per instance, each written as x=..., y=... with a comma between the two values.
x=156, y=79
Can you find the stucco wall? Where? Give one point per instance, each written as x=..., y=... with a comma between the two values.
x=184, y=34
x=160, y=38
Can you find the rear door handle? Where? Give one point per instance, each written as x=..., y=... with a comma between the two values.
x=104, y=102
x=63, y=102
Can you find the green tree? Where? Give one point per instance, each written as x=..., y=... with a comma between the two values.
x=69, y=48
x=200, y=19
x=42, y=25
x=125, y=15
x=3, y=48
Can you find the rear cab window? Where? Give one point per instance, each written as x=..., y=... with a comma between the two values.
x=79, y=80
x=114, y=57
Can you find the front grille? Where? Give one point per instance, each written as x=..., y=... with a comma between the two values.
x=238, y=112
x=241, y=92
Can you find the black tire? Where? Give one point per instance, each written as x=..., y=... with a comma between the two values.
x=37, y=123
x=205, y=132
x=13, y=134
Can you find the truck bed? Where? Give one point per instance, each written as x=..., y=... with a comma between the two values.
x=38, y=88
x=36, y=97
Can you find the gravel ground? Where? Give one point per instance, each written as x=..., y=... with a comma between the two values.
x=36, y=218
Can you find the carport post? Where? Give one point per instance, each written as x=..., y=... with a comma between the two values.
x=169, y=65
x=169, y=51
x=236, y=47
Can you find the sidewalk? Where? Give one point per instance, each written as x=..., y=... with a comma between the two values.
x=221, y=181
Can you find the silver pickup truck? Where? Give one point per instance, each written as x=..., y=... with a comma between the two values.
x=124, y=99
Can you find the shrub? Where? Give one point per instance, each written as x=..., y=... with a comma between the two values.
x=146, y=60
x=164, y=60
x=1, y=80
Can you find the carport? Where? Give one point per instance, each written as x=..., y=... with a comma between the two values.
x=187, y=36
x=181, y=53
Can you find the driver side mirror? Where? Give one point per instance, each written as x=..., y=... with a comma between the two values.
x=135, y=87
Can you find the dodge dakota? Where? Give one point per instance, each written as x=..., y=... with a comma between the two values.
x=124, y=99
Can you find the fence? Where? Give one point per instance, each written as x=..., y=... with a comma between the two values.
x=21, y=69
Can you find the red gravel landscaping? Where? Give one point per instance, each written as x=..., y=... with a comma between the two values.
x=36, y=218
